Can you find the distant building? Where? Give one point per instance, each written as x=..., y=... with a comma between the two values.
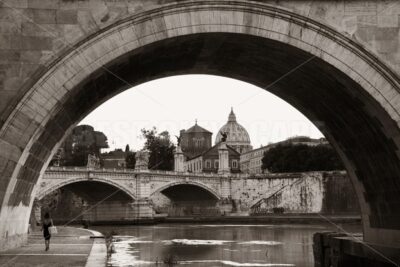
x=200, y=156
x=251, y=161
x=195, y=141
x=114, y=159
x=238, y=137
x=208, y=161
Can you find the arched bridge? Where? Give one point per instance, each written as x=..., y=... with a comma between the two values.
x=299, y=192
x=137, y=184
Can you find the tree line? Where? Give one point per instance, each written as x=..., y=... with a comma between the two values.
x=287, y=157
x=301, y=158
x=84, y=141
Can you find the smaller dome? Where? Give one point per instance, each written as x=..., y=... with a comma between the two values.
x=197, y=129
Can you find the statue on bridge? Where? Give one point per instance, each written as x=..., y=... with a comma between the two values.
x=178, y=140
x=142, y=160
x=93, y=161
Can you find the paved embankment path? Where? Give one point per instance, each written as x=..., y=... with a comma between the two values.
x=70, y=247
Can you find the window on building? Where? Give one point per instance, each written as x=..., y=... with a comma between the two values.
x=198, y=142
x=216, y=164
x=234, y=164
x=208, y=164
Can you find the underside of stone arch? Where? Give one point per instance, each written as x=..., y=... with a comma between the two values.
x=86, y=200
x=188, y=191
x=347, y=92
x=188, y=199
x=103, y=188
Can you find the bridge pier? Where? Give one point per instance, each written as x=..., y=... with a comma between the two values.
x=142, y=209
x=225, y=206
x=141, y=206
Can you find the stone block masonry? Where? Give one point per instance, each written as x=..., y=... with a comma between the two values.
x=312, y=192
x=348, y=83
x=375, y=26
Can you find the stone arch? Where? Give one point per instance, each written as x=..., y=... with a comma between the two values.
x=368, y=91
x=41, y=193
x=201, y=185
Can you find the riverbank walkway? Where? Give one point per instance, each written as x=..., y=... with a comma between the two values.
x=70, y=247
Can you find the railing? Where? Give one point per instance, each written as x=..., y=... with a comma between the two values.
x=131, y=171
x=256, y=208
x=189, y=174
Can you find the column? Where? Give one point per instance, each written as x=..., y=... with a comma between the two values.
x=179, y=160
x=223, y=159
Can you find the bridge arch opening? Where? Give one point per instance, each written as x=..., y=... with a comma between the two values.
x=186, y=200
x=91, y=201
x=350, y=95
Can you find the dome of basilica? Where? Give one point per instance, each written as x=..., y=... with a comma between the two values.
x=237, y=136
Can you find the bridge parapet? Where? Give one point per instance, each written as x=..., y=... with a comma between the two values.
x=130, y=174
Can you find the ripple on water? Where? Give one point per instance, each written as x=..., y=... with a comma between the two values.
x=234, y=263
x=196, y=242
x=233, y=250
x=261, y=242
x=124, y=254
x=119, y=239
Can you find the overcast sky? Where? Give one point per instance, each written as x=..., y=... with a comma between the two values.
x=175, y=103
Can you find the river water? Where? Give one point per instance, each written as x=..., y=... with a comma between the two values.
x=215, y=244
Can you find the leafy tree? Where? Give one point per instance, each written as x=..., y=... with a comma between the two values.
x=300, y=158
x=161, y=149
x=130, y=160
x=83, y=140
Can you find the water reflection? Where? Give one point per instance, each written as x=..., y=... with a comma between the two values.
x=214, y=245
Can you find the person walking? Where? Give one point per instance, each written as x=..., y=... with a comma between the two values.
x=47, y=223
